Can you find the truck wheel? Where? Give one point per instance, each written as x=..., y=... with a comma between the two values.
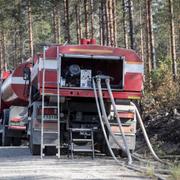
x=35, y=149
x=0, y=139
x=16, y=141
x=6, y=141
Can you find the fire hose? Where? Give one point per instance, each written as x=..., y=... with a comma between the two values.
x=103, y=116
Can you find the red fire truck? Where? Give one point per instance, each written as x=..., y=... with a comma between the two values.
x=14, y=101
x=63, y=108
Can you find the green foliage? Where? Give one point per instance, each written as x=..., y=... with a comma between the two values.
x=165, y=92
x=42, y=32
x=159, y=74
x=149, y=171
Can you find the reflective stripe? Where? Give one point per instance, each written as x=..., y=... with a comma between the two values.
x=18, y=80
x=94, y=51
x=48, y=64
x=134, y=68
x=92, y=56
x=13, y=80
x=17, y=127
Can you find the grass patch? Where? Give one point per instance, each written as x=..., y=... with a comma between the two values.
x=175, y=172
x=149, y=170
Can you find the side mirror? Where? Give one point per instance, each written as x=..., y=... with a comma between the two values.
x=26, y=73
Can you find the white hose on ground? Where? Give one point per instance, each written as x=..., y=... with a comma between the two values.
x=145, y=134
x=102, y=124
x=118, y=120
x=107, y=122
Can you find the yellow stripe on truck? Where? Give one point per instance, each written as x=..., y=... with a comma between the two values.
x=134, y=62
x=94, y=51
x=134, y=97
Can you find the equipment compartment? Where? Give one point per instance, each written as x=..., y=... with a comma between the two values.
x=74, y=68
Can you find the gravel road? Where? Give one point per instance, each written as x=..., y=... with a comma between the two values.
x=17, y=163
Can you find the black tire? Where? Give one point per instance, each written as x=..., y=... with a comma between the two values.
x=0, y=139
x=16, y=141
x=6, y=141
x=35, y=149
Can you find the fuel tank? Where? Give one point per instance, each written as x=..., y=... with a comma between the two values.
x=15, y=89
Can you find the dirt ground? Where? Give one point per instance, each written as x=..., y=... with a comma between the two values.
x=17, y=163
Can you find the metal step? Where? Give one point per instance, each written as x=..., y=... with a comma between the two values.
x=82, y=150
x=82, y=140
x=123, y=124
x=81, y=129
x=73, y=147
x=50, y=132
x=51, y=107
x=53, y=144
x=50, y=120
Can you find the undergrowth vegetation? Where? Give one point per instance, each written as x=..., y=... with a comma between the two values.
x=175, y=172
x=164, y=93
x=161, y=110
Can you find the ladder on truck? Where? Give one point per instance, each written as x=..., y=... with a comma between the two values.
x=44, y=131
x=88, y=139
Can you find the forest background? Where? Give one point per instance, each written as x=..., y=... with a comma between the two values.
x=150, y=27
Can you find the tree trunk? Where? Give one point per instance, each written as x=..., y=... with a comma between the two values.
x=125, y=24
x=30, y=28
x=102, y=23
x=131, y=25
x=173, y=44
x=66, y=10
x=77, y=25
x=141, y=31
x=58, y=19
x=110, y=22
x=2, y=51
x=107, y=22
x=86, y=19
x=100, y=26
x=92, y=18
x=148, y=50
x=114, y=22
x=54, y=23
x=151, y=35
x=79, y=19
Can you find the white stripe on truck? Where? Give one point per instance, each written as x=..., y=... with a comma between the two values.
x=13, y=80
x=134, y=68
x=47, y=64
